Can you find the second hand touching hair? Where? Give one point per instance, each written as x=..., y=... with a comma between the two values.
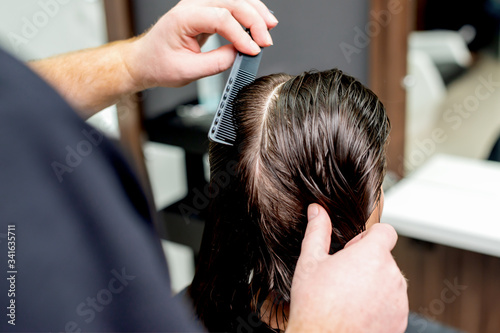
x=318, y=137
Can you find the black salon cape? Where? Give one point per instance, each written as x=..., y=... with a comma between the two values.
x=86, y=256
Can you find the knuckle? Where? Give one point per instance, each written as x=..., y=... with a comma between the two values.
x=222, y=13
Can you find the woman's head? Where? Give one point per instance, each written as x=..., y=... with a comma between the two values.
x=314, y=138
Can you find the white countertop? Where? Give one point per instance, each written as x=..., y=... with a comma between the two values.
x=450, y=200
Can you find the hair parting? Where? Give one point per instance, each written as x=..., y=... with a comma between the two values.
x=318, y=137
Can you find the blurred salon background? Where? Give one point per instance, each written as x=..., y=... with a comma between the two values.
x=434, y=64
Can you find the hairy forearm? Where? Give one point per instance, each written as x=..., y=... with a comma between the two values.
x=90, y=80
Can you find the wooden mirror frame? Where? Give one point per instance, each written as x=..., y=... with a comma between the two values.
x=387, y=71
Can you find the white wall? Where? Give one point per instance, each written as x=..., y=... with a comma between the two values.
x=35, y=29
x=32, y=29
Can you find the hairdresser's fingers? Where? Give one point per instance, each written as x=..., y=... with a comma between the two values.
x=195, y=21
x=210, y=63
x=318, y=232
x=379, y=235
x=251, y=14
x=269, y=17
x=261, y=8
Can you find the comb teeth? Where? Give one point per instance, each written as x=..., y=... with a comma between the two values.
x=223, y=128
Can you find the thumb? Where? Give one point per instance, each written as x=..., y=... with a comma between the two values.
x=355, y=239
x=380, y=234
x=213, y=62
x=318, y=231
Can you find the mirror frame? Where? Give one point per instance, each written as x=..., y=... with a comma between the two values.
x=388, y=68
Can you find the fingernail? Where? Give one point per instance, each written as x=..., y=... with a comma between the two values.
x=312, y=211
x=269, y=40
x=272, y=18
x=255, y=48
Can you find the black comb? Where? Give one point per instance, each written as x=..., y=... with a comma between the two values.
x=243, y=72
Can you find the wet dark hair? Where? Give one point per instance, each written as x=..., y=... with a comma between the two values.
x=318, y=137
